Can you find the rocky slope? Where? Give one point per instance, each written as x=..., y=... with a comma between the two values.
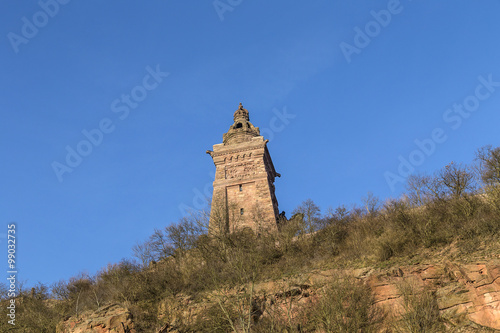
x=471, y=290
x=468, y=296
x=112, y=318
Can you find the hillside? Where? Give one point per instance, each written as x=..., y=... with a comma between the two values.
x=428, y=262
x=441, y=297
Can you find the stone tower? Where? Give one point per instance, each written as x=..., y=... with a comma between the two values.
x=244, y=179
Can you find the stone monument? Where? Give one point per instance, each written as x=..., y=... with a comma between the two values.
x=243, y=194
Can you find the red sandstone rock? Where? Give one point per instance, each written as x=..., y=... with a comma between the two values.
x=112, y=318
x=471, y=290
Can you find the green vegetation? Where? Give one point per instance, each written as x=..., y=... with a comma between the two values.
x=458, y=205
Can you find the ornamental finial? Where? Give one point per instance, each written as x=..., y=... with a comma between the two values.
x=241, y=114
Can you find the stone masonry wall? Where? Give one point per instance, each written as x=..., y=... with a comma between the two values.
x=243, y=184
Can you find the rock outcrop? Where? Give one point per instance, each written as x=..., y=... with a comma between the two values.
x=471, y=290
x=112, y=318
x=468, y=296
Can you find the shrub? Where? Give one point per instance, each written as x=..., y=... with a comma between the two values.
x=420, y=311
x=488, y=159
x=216, y=319
x=34, y=312
x=346, y=305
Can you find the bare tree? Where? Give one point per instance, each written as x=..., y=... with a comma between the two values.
x=456, y=179
x=418, y=187
x=488, y=159
x=161, y=244
x=311, y=214
x=341, y=212
x=156, y=247
x=219, y=218
x=183, y=235
x=371, y=203
x=144, y=252
x=79, y=289
x=338, y=216
x=173, y=240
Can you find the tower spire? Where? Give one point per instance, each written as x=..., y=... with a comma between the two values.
x=242, y=129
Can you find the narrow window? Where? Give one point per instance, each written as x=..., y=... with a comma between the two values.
x=241, y=188
x=241, y=211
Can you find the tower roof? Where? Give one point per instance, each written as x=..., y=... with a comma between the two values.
x=242, y=129
x=241, y=114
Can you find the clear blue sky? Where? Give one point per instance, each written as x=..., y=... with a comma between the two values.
x=358, y=82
